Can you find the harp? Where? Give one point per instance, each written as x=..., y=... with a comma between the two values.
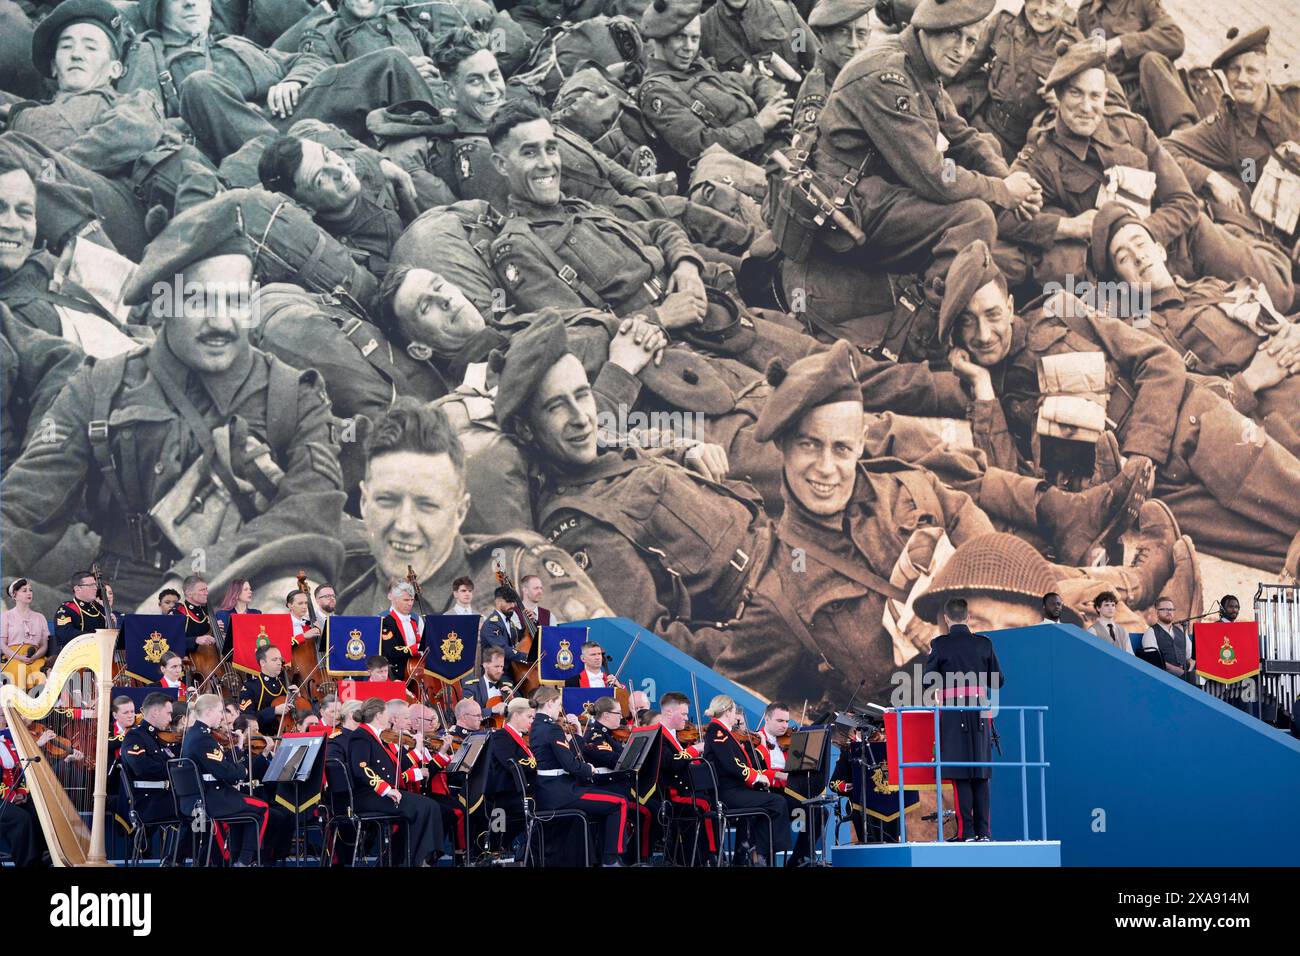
x=70, y=795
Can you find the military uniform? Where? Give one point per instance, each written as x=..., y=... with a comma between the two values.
x=884, y=121
x=1150, y=42
x=74, y=618
x=599, y=746
x=341, y=37
x=198, y=622
x=575, y=255
x=733, y=38
x=1072, y=171
x=25, y=291
x=965, y=736
x=506, y=748
x=738, y=789
x=811, y=98
x=219, y=771
x=565, y=781
x=34, y=366
x=998, y=87
x=1232, y=141
x=143, y=454
x=537, y=16
x=374, y=768
x=482, y=690
x=257, y=699
x=145, y=758
x=499, y=632
x=399, y=641
x=1232, y=503
x=694, y=109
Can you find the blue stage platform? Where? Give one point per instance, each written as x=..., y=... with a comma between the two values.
x=906, y=855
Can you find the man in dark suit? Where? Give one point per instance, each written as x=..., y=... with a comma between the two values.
x=965, y=736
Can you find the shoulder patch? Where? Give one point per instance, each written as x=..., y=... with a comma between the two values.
x=554, y=568
x=501, y=250
x=903, y=104
x=889, y=76
x=512, y=273
x=568, y=524
x=656, y=104
x=582, y=558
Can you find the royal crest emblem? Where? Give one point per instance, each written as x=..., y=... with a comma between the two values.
x=452, y=647
x=155, y=647
x=263, y=638
x=564, y=657
x=356, y=647
x=1227, y=656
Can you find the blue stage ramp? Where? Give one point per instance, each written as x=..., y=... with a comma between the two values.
x=1145, y=770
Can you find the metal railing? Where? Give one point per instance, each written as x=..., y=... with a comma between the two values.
x=938, y=763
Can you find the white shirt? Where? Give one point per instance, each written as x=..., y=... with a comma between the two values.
x=595, y=678
x=1150, y=643
x=1048, y=620
x=458, y=608
x=412, y=626
x=777, y=758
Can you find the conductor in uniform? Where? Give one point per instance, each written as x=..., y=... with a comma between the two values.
x=965, y=735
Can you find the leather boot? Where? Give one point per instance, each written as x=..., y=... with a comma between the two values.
x=1153, y=565
x=1184, y=588
x=1082, y=526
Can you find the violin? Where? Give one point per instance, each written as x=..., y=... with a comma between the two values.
x=688, y=735
x=60, y=747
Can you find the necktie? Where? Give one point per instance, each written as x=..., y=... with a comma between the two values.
x=1112, y=632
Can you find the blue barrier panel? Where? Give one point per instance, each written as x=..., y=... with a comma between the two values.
x=655, y=666
x=1147, y=770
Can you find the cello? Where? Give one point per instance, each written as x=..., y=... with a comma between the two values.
x=306, y=658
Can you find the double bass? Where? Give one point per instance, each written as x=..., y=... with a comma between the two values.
x=306, y=658
x=524, y=672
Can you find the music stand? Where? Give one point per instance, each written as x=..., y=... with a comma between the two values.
x=293, y=764
x=807, y=771
x=634, y=756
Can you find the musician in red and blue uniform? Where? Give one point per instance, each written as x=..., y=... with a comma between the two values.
x=20, y=830
x=83, y=614
x=741, y=785
x=566, y=781
x=144, y=757
x=675, y=761
x=198, y=617
x=507, y=748
x=219, y=772
x=401, y=630
x=376, y=786
x=257, y=698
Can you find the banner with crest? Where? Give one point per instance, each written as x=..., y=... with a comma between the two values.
x=450, y=645
x=1226, y=652
x=349, y=641
x=251, y=631
x=147, y=637
x=561, y=653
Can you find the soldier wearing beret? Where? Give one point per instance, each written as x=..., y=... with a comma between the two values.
x=767, y=36
x=919, y=179
x=843, y=27
x=1142, y=43
x=413, y=501
x=1233, y=505
x=1233, y=339
x=999, y=88
x=140, y=431
x=1092, y=147
x=1254, y=119
x=119, y=135
x=692, y=106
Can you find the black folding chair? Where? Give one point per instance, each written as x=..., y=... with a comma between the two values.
x=141, y=832
x=358, y=822
x=726, y=818
x=535, y=820
x=187, y=784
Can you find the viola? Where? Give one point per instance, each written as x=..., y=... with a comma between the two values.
x=61, y=747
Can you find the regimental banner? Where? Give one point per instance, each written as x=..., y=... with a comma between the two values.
x=575, y=698
x=349, y=641
x=560, y=654
x=1227, y=652
x=251, y=631
x=450, y=645
x=147, y=637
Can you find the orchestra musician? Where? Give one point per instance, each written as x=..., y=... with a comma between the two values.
x=378, y=668
x=257, y=698
x=599, y=745
x=24, y=637
x=491, y=689
x=531, y=592
x=593, y=669
x=83, y=614
x=375, y=775
x=462, y=594
x=770, y=756
x=168, y=598
x=327, y=601
x=500, y=629
x=238, y=600
x=198, y=619
x=510, y=746
x=401, y=630
x=336, y=770
x=173, y=674
x=675, y=779
x=740, y=784
x=469, y=718
x=566, y=781
x=145, y=758
x=20, y=830
x=299, y=609
x=219, y=772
